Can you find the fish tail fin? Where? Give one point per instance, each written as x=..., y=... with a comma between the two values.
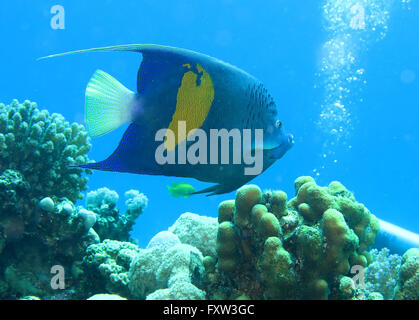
x=108, y=104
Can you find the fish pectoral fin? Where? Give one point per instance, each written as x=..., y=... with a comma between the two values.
x=108, y=104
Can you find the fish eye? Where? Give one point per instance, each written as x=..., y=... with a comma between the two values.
x=278, y=124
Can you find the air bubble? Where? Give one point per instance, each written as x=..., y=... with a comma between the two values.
x=352, y=26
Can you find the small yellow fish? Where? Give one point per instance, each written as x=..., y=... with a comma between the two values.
x=180, y=189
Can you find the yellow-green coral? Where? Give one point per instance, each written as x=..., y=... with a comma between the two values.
x=340, y=243
x=246, y=197
x=276, y=268
x=408, y=283
x=226, y=211
x=227, y=247
x=277, y=202
x=301, y=248
x=268, y=226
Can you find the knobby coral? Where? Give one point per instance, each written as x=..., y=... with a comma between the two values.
x=408, y=281
x=268, y=247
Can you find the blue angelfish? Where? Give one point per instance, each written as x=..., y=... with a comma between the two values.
x=191, y=116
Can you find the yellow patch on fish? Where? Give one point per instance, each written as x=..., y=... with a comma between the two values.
x=193, y=103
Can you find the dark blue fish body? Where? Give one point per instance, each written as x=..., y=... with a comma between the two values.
x=178, y=86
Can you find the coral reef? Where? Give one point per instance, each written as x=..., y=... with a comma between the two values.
x=381, y=274
x=59, y=233
x=40, y=147
x=408, y=281
x=41, y=230
x=167, y=269
x=105, y=267
x=39, y=226
x=56, y=235
x=268, y=248
x=143, y=270
x=110, y=224
x=105, y=296
x=197, y=231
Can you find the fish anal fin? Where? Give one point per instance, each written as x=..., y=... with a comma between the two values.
x=130, y=156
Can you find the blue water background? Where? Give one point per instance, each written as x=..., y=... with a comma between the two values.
x=279, y=42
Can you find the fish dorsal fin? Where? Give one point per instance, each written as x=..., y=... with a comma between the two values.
x=158, y=60
x=191, y=82
x=143, y=48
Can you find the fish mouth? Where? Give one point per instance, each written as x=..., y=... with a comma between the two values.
x=286, y=144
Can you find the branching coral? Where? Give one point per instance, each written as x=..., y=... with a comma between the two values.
x=270, y=248
x=41, y=146
x=381, y=274
x=39, y=225
x=110, y=224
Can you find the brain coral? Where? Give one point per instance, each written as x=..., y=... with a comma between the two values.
x=268, y=247
x=41, y=146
